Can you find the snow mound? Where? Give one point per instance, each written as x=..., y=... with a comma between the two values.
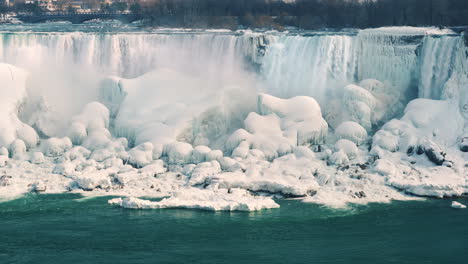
x=281, y=125
x=347, y=147
x=93, y=122
x=54, y=147
x=141, y=155
x=301, y=114
x=351, y=131
x=424, y=121
x=219, y=200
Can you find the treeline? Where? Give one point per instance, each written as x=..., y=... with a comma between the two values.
x=308, y=14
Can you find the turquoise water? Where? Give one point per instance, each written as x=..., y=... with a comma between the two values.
x=67, y=229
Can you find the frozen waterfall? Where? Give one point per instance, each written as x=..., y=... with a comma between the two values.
x=218, y=119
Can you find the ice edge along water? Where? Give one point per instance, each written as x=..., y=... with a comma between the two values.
x=228, y=121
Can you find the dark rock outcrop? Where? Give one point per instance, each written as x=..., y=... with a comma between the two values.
x=5, y=180
x=435, y=153
x=464, y=144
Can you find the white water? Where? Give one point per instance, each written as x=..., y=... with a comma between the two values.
x=319, y=66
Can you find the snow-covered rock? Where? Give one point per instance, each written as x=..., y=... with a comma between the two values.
x=347, y=147
x=54, y=147
x=179, y=152
x=38, y=186
x=141, y=155
x=339, y=158
x=199, y=154
x=18, y=149
x=351, y=131
x=90, y=181
x=37, y=158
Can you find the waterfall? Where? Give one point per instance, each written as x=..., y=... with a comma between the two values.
x=437, y=64
x=300, y=65
x=126, y=55
x=416, y=63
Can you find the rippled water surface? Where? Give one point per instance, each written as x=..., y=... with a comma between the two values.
x=68, y=229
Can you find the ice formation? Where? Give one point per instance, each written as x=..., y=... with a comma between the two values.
x=458, y=205
x=223, y=121
x=219, y=200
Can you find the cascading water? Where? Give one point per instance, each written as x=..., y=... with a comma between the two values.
x=316, y=65
x=298, y=65
x=417, y=65
x=437, y=64
x=126, y=55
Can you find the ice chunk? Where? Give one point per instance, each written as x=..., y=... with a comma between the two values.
x=373, y=86
x=348, y=147
x=458, y=205
x=304, y=152
x=54, y=147
x=200, y=153
x=351, y=131
x=179, y=152
x=384, y=167
x=78, y=152
x=65, y=168
x=339, y=158
x=90, y=181
x=18, y=149
x=214, y=155
x=156, y=167
x=141, y=155
x=219, y=200
x=204, y=170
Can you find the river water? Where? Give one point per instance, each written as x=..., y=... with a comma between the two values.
x=69, y=229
